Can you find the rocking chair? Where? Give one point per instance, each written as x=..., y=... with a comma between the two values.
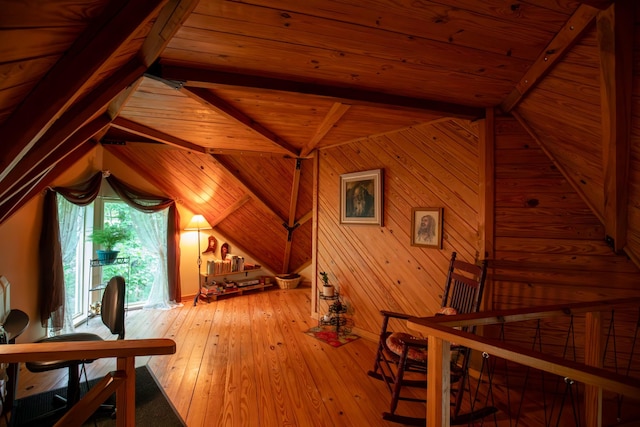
x=399, y=353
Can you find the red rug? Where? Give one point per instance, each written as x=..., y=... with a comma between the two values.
x=329, y=336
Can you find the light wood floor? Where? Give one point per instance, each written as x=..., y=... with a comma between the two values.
x=246, y=361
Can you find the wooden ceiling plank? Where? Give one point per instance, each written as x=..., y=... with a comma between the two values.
x=228, y=211
x=570, y=179
x=72, y=120
x=67, y=80
x=246, y=187
x=194, y=77
x=575, y=27
x=336, y=112
x=33, y=166
x=40, y=183
x=147, y=132
x=615, y=25
x=222, y=107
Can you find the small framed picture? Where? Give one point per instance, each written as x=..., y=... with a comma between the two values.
x=361, y=197
x=426, y=227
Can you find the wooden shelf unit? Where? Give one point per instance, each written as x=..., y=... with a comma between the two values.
x=210, y=294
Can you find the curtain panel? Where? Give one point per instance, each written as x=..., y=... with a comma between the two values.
x=51, y=279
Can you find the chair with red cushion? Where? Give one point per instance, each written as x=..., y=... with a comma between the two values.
x=401, y=359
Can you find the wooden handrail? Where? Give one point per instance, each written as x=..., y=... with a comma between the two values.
x=440, y=332
x=78, y=350
x=122, y=381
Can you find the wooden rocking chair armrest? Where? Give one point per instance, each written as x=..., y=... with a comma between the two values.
x=395, y=315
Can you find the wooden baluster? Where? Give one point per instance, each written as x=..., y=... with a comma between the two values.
x=593, y=357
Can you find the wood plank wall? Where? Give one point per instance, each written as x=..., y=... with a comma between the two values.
x=633, y=231
x=375, y=267
x=549, y=246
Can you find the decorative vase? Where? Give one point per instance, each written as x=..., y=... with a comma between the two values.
x=107, y=257
x=327, y=290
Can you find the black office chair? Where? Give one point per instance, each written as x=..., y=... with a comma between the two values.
x=112, y=313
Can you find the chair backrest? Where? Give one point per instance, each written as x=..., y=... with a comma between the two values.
x=465, y=284
x=112, y=309
x=463, y=291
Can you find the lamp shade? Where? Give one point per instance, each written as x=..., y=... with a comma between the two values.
x=198, y=223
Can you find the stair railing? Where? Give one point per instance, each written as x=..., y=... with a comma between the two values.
x=441, y=331
x=122, y=381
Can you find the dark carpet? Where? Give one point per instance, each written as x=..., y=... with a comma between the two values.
x=152, y=407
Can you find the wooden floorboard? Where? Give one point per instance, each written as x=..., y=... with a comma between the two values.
x=246, y=361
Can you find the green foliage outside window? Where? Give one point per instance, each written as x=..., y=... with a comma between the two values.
x=142, y=261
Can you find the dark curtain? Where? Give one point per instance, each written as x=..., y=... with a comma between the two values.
x=51, y=280
x=51, y=271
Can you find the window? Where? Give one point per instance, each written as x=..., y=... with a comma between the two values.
x=143, y=270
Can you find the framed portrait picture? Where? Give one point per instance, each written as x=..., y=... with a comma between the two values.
x=361, y=197
x=426, y=227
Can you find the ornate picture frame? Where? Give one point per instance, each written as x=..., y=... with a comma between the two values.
x=361, y=197
x=426, y=227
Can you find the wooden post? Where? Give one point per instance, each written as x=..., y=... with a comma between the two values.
x=593, y=357
x=438, y=382
x=126, y=394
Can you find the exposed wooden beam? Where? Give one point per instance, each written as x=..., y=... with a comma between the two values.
x=244, y=153
x=164, y=28
x=306, y=217
x=169, y=21
x=615, y=27
x=291, y=224
x=116, y=105
x=194, y=77
x=222, y=107
x=147, y=132
x=577, y=24
x=486, y=193
x=17, y=200
x=37, y=186
x=314, y=236
x=72, y=74
x=600, y=4
x=487, y=185
x=336, y=112
x=229, y=210
x=246, y=187
x=72, y=120
x=23, y=179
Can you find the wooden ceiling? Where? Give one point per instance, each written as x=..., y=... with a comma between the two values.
x=255, y=80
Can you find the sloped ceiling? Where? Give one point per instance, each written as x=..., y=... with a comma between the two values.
x=231, y=99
